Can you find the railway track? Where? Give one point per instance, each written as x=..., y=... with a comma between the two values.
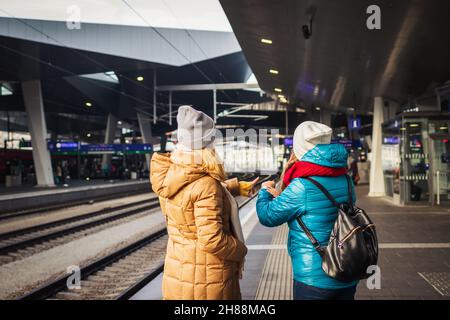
x=120, y=274
x=25, y=242
x=116, y=276
x=28, y=212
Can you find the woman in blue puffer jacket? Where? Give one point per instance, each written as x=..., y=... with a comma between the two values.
x=326, y=163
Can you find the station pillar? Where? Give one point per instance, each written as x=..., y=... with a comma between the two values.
x=34, y=106
x=145, y=126
x=376, y=180
x=111, y=125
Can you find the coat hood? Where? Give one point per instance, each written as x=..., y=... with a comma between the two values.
x=329, y=155
x=170, y=174
x=203, y=255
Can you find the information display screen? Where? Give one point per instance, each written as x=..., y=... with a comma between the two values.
x=64, y=147
x=71, y=147
x=391, y=140
x=100, y=148
x=348, y=143
x=137, y=148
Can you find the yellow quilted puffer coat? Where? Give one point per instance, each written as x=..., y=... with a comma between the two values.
x=203, y=257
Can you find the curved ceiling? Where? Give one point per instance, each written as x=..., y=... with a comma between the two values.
x=178, y=14
x=344, y=64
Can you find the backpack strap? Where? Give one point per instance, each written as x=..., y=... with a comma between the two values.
x=324, y=191
x=350, y=191
x=315, y=243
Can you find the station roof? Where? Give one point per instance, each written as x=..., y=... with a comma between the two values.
x=118, y=43
x=344, y=64
x=203, y=15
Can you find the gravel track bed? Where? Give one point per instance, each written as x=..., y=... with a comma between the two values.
x=31, y=250
x=111, y=281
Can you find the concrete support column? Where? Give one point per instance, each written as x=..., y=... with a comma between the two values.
x=377, y=187
x=111, y=125
x=145, y=126
x=286, y=122
x=325, y=117
x=34, y=106
x=215, y=105
x=154, y=97
x=170, y=108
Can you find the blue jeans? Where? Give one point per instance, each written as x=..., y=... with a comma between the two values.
x=305, y=292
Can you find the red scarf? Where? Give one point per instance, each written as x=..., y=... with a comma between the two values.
x=305, y=169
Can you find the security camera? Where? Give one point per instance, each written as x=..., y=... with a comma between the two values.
x=306, y=31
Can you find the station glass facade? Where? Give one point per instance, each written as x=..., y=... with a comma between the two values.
x=416, y=158
x=241, y=156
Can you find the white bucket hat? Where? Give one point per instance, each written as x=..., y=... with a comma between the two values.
x=309, y=134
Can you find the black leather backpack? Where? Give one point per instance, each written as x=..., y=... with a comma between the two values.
x=353, y=244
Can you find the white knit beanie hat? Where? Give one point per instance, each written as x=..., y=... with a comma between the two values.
x=195, y=129
x=308, y=134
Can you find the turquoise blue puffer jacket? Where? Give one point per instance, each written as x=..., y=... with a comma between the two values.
x=301, y=197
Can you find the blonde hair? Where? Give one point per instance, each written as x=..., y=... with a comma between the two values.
x=207, y=158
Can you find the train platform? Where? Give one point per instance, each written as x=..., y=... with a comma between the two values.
x=26, y=197
x=414, y=256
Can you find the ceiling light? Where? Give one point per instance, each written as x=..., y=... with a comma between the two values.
x=402, y=129
x=266, y=41
x=119, y=122
x=278, y=90
x=140, y=78
x=443, y=128
x=283, y=100
x=281, y=96
x=317, y=108
x=414, y=125
x=88, y=135
x=88, y=104
x=273, y=71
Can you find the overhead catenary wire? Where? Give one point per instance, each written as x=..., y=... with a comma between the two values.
x=78, y=52
x=61, y=69
x=166, y=40
x=200, y=48
x=196, y=43
x=134, y=81
x=172, y=45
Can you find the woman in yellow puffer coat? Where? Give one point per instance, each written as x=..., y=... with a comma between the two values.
x=204, y=255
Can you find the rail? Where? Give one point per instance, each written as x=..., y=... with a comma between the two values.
x=59, y=285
